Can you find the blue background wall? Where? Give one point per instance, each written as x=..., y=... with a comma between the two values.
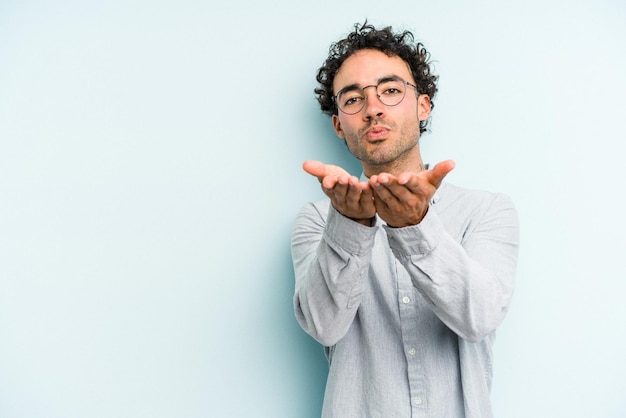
x=150, y=174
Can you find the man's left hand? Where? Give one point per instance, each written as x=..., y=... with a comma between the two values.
x=403, y=200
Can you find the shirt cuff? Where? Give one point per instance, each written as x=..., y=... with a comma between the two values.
x=418, y=239
x=347, y=234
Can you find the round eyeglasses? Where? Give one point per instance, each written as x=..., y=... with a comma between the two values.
x=351, y=100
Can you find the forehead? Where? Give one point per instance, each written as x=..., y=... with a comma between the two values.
x=367, y=66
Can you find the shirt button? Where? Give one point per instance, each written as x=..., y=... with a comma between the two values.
x=406, y=299
x=412, y=351
x=418, y=401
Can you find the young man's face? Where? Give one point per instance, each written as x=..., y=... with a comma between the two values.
x=380, y=135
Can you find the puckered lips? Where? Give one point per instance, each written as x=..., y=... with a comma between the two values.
x=376, y=132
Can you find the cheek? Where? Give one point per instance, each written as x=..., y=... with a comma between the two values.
x=411, y=125
x=344, y=128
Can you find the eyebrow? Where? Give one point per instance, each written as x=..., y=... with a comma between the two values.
x=355, y=86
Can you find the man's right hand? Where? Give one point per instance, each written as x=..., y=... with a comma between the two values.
x=349, y=196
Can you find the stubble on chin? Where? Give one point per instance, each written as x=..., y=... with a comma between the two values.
x=395, y=150
x=382, y=153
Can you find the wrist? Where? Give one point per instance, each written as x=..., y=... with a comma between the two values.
x=409, y=222
x=366, y=222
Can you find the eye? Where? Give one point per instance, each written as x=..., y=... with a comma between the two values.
x=391, y=91
x=391, y=88
x=349, y=100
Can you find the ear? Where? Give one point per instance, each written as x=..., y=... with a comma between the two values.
x=337, y=126
x=423, y=107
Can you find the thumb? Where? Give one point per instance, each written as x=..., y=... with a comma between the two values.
x=439, y=171
x=315, y=168
x=321, y=170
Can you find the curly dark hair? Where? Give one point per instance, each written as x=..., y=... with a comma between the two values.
x=366, y=36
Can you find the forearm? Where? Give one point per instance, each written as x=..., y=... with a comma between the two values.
x=469, y=281
x=330, y=260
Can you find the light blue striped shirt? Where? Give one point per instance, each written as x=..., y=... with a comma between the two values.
x=407, y=315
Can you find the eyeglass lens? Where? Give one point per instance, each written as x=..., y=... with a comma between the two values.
x=390, y=93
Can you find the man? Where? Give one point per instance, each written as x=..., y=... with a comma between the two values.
x=401, y=276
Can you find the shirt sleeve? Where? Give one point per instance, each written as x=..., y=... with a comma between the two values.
x=469, y=280
x=331, y=257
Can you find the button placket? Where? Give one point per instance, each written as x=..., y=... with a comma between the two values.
x=408, y=310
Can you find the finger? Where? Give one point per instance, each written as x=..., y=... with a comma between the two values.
x=387, y=186
x=335, y=184
x=366, y=191
x=348, y=199
x=385, y=189
x=353, y=196
x=383, y=179
x=358, y=187
x=367, y=206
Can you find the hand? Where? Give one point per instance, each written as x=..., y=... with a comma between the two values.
x=348, y=196
x=403, y=200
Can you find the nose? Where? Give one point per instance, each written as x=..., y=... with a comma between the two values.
x=374, y=108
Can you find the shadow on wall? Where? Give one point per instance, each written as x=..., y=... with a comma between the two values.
x=307, y=353
x=304, y=363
